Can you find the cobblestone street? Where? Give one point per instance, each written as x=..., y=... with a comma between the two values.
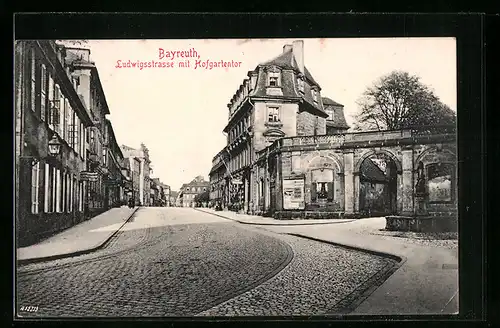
x=181, y=262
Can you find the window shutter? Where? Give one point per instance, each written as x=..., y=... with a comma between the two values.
x=330, y=191
x=46, y=182
x=314, y=194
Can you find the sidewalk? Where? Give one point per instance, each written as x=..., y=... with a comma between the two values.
x=260, y=220
x=426, y=281
x=77, y=240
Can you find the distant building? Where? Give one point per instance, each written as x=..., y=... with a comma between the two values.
x=190, y=190
x=173, y=198
x=139, y=166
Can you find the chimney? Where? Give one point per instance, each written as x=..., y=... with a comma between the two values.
x=287, y=47
x=298, y=52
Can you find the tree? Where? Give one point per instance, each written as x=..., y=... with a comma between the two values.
x=204, y=197
x=399, y=100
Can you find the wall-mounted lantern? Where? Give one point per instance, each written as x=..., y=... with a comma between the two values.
x=54, y=145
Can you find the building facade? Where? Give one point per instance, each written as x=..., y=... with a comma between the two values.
x=289, y=155
x=280, y=98
x=138, y=163
x=189, y=191
x=50, y=89
x=114, y=179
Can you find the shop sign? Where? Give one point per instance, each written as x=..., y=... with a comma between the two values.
x=293, y=194
x=237, y=181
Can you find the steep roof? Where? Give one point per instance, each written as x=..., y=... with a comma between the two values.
x=371, y=172
x=287, y=60
x=339, y=120
x=328, y=101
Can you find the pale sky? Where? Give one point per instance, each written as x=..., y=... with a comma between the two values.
x=179, y=113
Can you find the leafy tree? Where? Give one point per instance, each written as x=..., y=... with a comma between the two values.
x=202, y=198
x=399, y=100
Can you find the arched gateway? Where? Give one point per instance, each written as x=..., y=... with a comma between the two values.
x=358, y=174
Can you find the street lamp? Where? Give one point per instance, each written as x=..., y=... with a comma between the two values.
x=54, y=146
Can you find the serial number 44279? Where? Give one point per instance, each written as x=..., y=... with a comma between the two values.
x=29, y=308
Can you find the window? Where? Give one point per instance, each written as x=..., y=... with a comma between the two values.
x=43, y=91
x=82, y=140
x=440, y=182
x=35, y=181
x=273, y=79
x=64, y=192
x=76, y=132
x=81, y=196
x=273, y=114
x=300, y=84
x=58, y=191
x=314, y=94
x=71, y=192
x=32, y=90
x=187, y=189
x=53, y=189
x=330, y=113
x=55, y=109
x=104, y=156
x=62, y=115
x=51, y=103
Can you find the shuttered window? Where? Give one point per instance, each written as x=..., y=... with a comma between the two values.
x=58, y=191
x=35, y=184
x=47, y=189
x=43, y=92
x=32, y=86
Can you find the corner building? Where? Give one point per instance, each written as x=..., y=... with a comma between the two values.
x=280, y=98
x=289, y=155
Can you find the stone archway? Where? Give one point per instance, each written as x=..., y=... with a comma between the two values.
x=324, y=182
x=378, y=173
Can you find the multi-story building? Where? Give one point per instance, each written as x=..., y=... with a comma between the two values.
x=139, y=167
x=114, y=180
x=172, y=198
x=60, y=106
x=92, y=96
x=165, y=193
x=280, y=98
x=50, y=193
x=289, y=155
x=189, y=191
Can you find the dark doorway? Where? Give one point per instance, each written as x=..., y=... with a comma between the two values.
x=378, y=186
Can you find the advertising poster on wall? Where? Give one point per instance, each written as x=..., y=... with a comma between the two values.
x=293, y=194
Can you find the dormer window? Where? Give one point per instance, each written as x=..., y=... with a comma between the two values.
x=331, y=114
x=314, y=94
x=300, y=84
x=273, y=79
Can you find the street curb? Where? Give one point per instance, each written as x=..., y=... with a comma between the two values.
x=398, y=258
x=80, y=252
x=354, y=299
x=272, y=224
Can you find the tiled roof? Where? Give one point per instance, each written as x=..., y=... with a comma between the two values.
x=371, y=172
x=328, y=101
x=288, y=82
x=287, y=60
